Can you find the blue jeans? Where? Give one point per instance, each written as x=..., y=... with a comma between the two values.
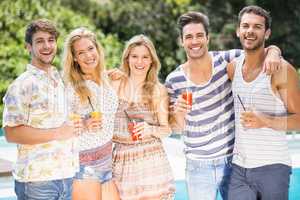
x=206, y=177
x=44, y=190
x=270, y=182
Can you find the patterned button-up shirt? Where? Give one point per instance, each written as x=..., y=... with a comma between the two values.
x=37, y=99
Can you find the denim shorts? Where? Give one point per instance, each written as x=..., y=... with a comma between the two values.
x=205, y=178
x=94, y=173
x=44, y=190
x=269, y=182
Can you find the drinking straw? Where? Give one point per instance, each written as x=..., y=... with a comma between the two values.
x=241, y=102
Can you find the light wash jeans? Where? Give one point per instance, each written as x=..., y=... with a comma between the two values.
x=206, y=177
x=94, y=173
x=45, y=190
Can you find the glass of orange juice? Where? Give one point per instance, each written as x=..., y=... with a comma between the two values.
x=96, y=115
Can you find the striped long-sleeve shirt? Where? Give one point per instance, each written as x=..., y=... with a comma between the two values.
x=209, y=130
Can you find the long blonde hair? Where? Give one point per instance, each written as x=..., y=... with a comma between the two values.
x=151, y=82
x=72, y=70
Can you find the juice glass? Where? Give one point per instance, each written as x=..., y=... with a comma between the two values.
x=131, y=123
x=188, y=97
x=96, y=115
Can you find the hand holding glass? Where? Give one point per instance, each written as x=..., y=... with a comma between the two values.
x=131, y=128
x=188, y=97
x=93, y=123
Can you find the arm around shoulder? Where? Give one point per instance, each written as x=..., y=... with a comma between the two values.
x=116, y=83
x=230, y=70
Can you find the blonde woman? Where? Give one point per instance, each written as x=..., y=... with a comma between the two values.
x=140, y=166
x=94, y=101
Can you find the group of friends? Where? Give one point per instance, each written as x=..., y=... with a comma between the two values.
x=72, y=128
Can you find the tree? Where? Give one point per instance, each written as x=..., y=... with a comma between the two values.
x=158, y=18
x=119, y=20
x=285, y=24
x=16, y=15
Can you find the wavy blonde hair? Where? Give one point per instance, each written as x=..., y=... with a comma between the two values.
x=72, y=70
x=151, y=82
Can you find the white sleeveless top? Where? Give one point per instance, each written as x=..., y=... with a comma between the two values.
x=263, y=146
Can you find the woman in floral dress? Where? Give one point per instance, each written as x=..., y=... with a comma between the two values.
x=140, y=166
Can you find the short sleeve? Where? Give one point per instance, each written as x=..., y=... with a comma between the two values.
x=16, y=106
x=170, y=90
x=231, y=54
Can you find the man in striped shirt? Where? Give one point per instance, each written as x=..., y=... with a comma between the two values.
x=207, y=124
x=265, y=108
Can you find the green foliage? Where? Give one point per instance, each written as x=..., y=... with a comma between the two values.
x=156, y=19
x=14, y=17
x=285, y=24
x=119, y=20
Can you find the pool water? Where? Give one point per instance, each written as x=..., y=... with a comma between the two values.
x=181, y=192
x=8, y=151
x=294, y=190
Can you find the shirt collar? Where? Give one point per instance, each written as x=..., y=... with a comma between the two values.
x=52, y=72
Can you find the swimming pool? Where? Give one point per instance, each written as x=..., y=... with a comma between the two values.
x=294, y=190
x=174, y=150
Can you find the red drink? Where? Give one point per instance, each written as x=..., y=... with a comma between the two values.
x=132, y=120
x=188, y=96
x=134, y=136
